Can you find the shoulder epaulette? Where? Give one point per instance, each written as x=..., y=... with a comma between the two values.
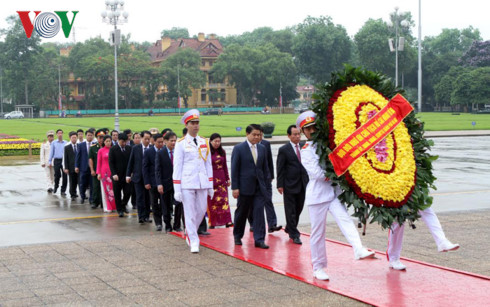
x=93, y=145
x=181, y=139
x=305, y=146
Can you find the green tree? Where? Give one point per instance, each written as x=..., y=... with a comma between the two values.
x=133, y=69
x=320, y=47
x=19, y=55
x=282, y=39
x=175, y=33
x=442, y=52
x=181, y=72
x=471, y=88
x=257, y=73
x=372, y=45
x=444, y=88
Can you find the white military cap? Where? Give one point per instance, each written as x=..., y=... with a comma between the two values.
x=306, y=119
x=50, y=132
x=190, y=116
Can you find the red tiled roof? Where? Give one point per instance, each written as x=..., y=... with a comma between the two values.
x=209, y=48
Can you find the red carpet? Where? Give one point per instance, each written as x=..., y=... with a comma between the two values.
x=369, y=281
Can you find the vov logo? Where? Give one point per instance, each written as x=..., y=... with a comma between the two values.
x=47, y=24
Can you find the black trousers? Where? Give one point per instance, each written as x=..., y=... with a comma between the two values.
x=73, y=184
x=156, y=204
x=293, y=206
x=95, y=191
x=245, y=204
x=85, y=181
x=178, y=215
x=270, y=212
x=164, y=209
x=58, y=173
x=134, y=201
x=142, y=199
x=203, y=226
x=120, y=187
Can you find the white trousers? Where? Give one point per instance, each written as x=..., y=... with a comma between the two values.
x=104, y=200
x=318, y=219
x=195, y=204
x=395, y=234
x=49, y=171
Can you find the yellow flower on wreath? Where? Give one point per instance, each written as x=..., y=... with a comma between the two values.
x=391, y=180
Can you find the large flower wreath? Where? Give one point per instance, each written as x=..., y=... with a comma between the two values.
x=391, y=181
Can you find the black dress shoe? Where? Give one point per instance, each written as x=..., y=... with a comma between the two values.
x=73, y=198
x=63, y=194
x=82, y=200
x=50, y=190
x=121, y=214
x=261, y=245
x=159, y=227
x=148, y=220
x=229, y=225
x=238, y=241
x=55, y=189
x=297, y=241
x=126, y=211
x=141, y=221
x=94, y=206
x=275, y=228
x=204, y=233
x=168, y=229
x=211, y=227
x=178, y=229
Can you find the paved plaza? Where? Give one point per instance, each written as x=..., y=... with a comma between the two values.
x=55, y=251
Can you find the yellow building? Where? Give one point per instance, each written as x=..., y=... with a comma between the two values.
x=212, y=94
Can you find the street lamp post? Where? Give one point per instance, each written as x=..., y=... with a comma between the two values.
x=399, y=41
x=112, y=16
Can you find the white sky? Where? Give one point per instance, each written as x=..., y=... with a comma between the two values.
x=224, y=17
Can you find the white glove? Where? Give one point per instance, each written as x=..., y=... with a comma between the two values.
x=211, y=193
x=178, y=196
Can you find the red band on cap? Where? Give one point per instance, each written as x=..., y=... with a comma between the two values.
x=193, y=116
x=305, y=121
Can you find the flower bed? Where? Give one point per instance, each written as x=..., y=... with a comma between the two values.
x=12, y=145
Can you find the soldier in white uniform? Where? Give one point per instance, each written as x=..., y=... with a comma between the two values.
x=321, y=198
x=45, y=148
x=193, y=176
x=395, y=238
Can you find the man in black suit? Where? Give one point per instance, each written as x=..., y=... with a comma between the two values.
x=69, y=160
x=134, y=175
x=292, y=179
x=82, y=165
x=250, y=174
x=163, y=174
x=118, y=163
x=149, y=170
x=270, y=212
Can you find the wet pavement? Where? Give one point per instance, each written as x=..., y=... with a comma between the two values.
x=57, y=251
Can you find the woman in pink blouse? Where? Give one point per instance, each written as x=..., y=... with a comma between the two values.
x=104, y=175
x=219, y=207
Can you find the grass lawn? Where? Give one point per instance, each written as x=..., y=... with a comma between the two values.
x=225, y=125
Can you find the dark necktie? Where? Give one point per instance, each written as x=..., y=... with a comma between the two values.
x=74, y=148
x=195, y=141
x=297, y=153
x=122, y=149
x=144, y=150
x=172, y=156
